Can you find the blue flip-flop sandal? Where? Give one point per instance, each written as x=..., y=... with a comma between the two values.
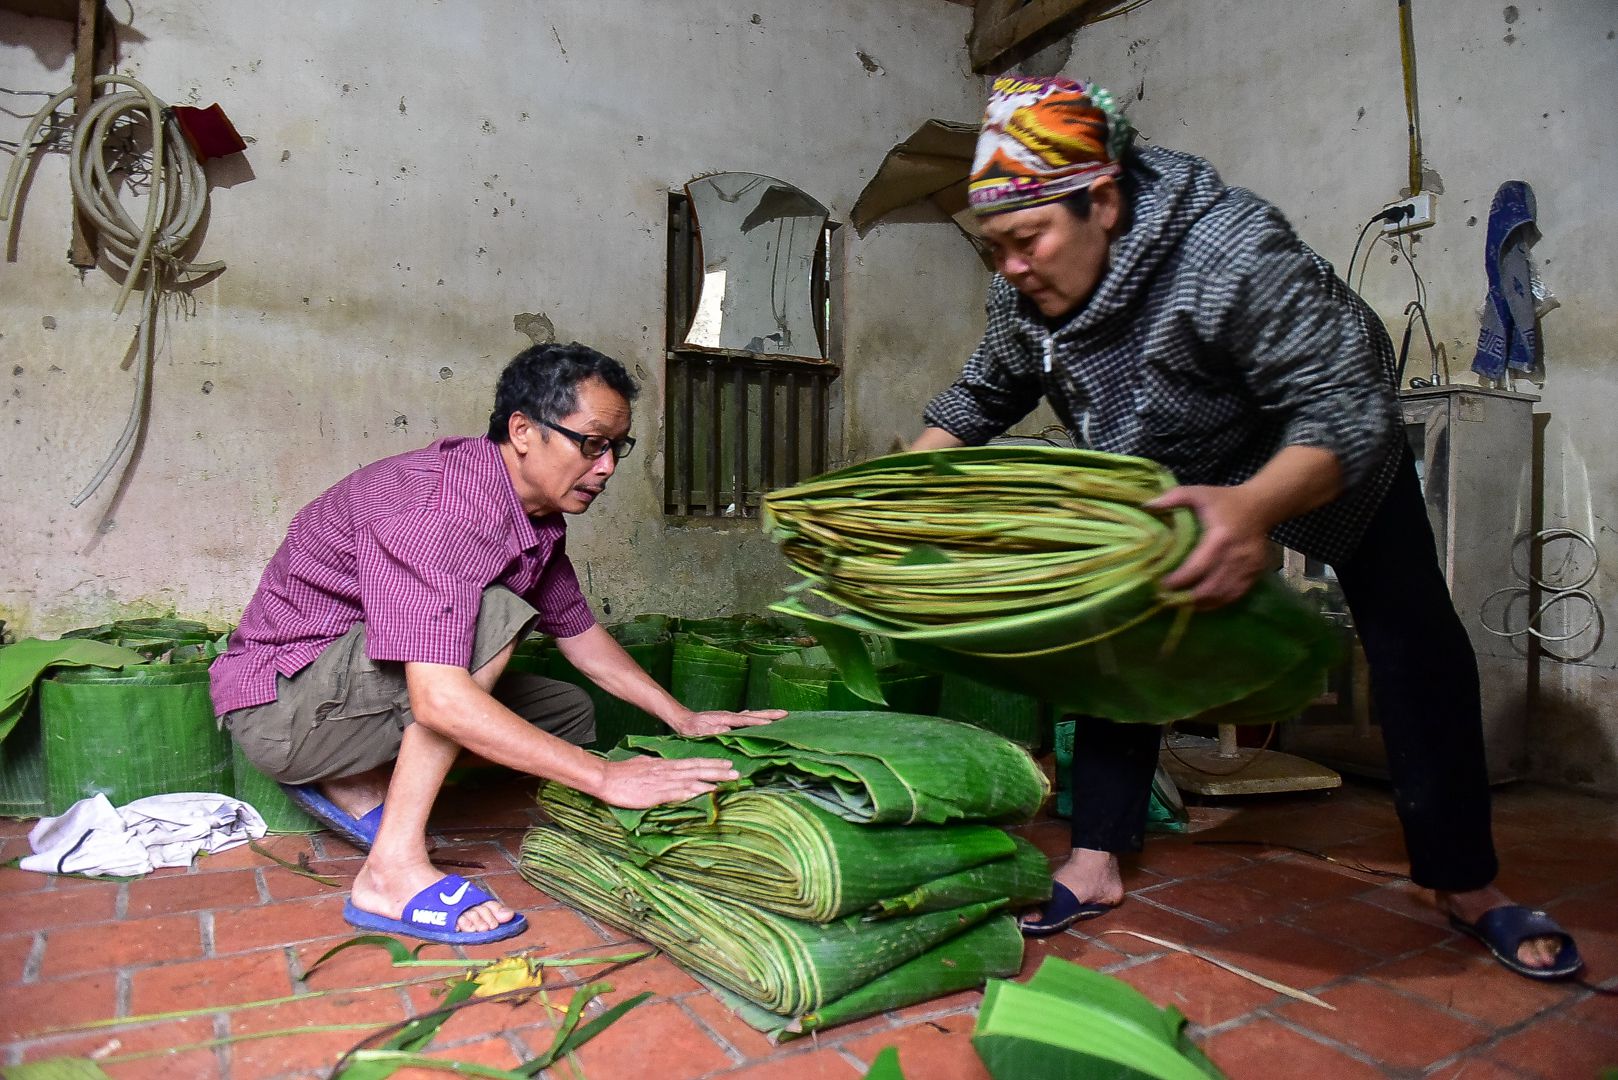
x=1504, y=929
x=359, y=831
x=432, y=913
x=1061, y=911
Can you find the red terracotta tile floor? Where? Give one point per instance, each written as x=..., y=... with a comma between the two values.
x=1412, y=998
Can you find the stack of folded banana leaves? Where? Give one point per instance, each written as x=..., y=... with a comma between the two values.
x=855, y=866
x=1038, y=569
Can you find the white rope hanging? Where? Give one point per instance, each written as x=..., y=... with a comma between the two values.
x=175, y=201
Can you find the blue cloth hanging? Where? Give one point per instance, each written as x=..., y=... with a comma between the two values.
x=1509, y=337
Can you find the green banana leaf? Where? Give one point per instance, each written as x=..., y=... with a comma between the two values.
x=708, y=676
x=1023, y=878
x=1262, y=658
x=735, y=629
x=615, y=718
x=143, y=730
x=990, y=950
x=1017, y=716
x=784, y=854
x=762, y=656
x=22, y=664
x=56, y=1068
x=1037, y=570
x=160, y=639
x=886, y=1066
x=794, y=685
x=788, y=966
x=873, y=767
x=1070, y=1022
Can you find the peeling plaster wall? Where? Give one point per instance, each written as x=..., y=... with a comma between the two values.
x=1304, y=104
x=422, y=177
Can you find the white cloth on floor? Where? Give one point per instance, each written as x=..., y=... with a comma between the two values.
x=160, y=830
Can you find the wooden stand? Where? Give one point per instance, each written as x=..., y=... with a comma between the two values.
x=1220, y=767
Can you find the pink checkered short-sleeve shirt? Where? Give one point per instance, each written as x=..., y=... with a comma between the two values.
x=406, y=545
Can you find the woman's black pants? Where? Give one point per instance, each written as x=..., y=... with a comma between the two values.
x=1424, y=685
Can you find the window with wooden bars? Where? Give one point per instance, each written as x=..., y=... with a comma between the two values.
x=747, y=411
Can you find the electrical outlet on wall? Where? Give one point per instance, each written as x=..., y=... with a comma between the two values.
x=1420, y=211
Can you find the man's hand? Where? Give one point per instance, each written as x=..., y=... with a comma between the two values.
x=1232, y=552
x=639, y=782
x=714, y=721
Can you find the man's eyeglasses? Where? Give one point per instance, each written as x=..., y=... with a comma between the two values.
x=593, y=446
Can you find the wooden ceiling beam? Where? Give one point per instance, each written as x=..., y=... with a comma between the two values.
x=1005, y=31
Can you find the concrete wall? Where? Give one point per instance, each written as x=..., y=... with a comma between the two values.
x=1304, y=104
x=421, y=172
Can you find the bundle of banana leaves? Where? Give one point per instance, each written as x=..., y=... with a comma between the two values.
x=802, y=975
x=847, y=870
x=782, y=853
x=1038, y=569
x=875, y=767
x=161, y=639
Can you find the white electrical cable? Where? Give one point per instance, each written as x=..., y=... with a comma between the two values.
x=1558, y=594
x=175, y=201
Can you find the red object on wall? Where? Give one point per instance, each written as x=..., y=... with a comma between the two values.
x=209, y=131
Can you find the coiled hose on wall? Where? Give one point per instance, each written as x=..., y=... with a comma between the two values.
x=149, y=250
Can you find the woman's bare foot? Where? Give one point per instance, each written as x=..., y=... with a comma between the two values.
x=1092, y=876
x=386, y=892
x=1469, y=907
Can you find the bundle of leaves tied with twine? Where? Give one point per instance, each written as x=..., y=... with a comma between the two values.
x=1039, y=569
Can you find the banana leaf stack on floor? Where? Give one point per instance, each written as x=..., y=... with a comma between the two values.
x=1038, y=569
x=857, y=865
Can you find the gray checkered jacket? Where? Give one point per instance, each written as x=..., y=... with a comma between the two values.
x=1216, y=338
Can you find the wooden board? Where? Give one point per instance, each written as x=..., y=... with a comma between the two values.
x=1006, y=30
x=67, y=10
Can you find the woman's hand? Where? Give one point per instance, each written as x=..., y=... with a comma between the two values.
x=1236, y=522
x=1233, y=550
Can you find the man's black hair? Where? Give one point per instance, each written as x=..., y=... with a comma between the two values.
x=542, y=383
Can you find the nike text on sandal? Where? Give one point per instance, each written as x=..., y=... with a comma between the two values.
x=432, y=913
x=1504, y=929
x=1062, y=910
x=359, y=831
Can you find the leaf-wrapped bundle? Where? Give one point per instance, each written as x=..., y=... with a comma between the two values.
x=787, y=966
x=873, y=767
x=783, y=853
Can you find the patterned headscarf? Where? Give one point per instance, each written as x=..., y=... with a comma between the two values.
x=1042, y=140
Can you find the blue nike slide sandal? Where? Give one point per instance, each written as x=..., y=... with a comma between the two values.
x=432, y=913
x=1061, y=911
x=361, y=831
x=1504, y=929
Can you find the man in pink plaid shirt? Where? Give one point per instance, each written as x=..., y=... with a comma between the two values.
x=374, y=651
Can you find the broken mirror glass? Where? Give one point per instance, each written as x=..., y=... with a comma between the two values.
x=758, y=237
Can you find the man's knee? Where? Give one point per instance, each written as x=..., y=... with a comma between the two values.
x=560, y=708
x=574, y=717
